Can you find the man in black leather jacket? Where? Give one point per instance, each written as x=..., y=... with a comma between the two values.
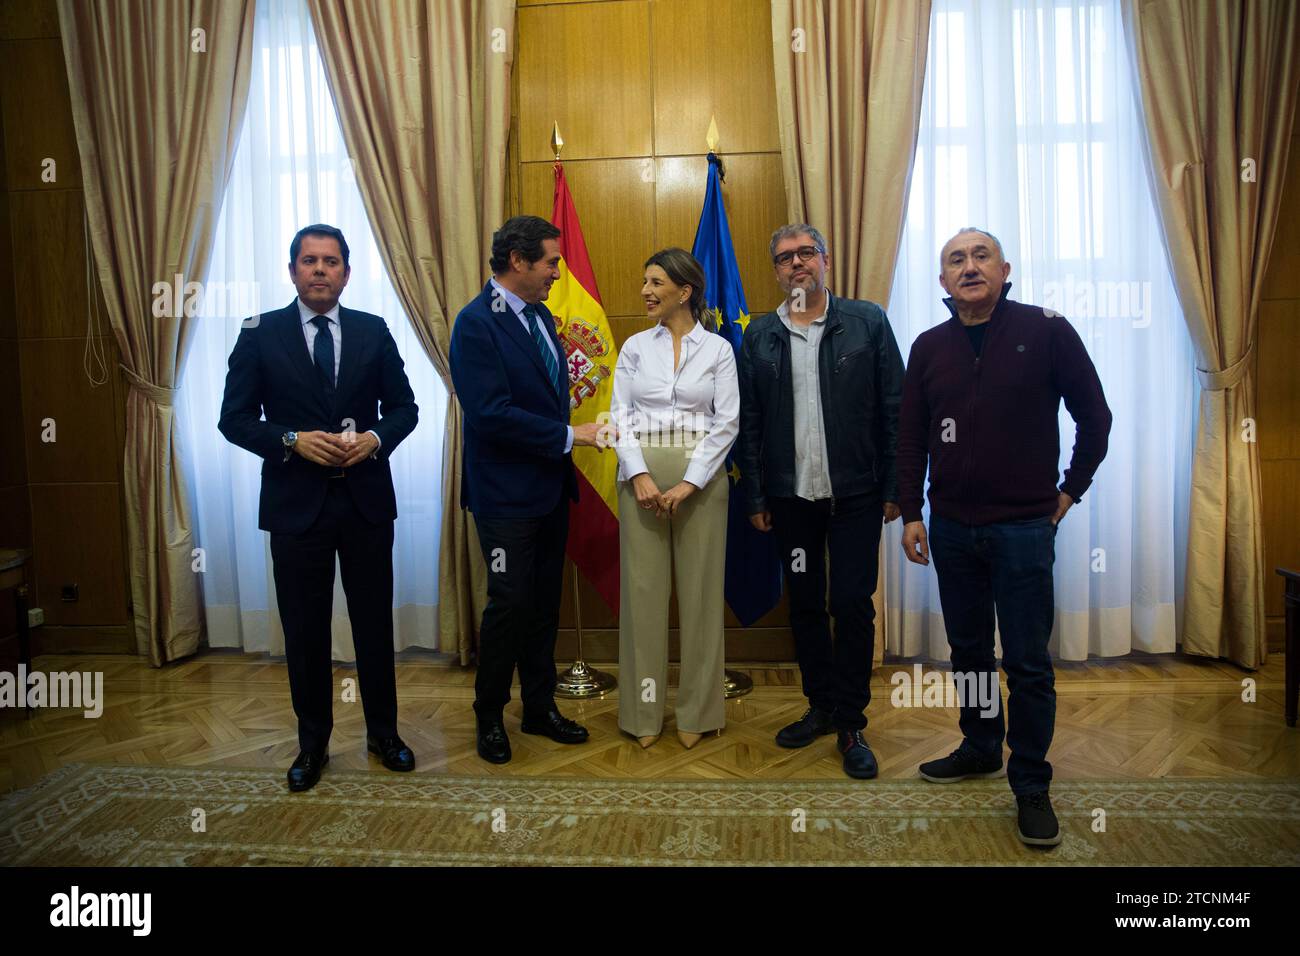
x=821, y=381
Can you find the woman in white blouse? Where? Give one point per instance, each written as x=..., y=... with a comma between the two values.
x=676, y=405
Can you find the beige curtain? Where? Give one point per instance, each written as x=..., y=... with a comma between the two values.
x=158, y=92
x=1217, y=83
x=849, y=85
x=423, y=94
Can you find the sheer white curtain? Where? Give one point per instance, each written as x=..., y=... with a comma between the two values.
x=292, y=169
x=1029, y=130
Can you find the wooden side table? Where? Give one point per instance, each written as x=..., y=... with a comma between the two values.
x=1292, y=642
x=13, y=574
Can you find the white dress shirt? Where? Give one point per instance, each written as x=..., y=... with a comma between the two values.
x=310, y=332
x=517, y=306
x=702, y=395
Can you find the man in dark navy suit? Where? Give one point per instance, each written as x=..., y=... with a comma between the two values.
x=512, y=380
x=337, y=404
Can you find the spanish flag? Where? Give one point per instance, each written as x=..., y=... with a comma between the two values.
x=591, y=356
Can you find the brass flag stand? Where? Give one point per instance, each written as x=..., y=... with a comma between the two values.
x=579, y=680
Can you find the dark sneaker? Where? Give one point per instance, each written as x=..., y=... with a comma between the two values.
x=961, y=765
x=859, y=761
x=813, y=724
x=1035, y=821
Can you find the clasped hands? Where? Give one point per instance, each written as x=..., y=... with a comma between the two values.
x=664, y=503
x=336, y=450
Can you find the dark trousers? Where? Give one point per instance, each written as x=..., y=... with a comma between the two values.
x=1007, y=567
x=836, y=675
x=304, y=588
x=525, y=565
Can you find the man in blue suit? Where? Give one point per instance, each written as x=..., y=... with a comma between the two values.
x=319, y=393
x=512, y=380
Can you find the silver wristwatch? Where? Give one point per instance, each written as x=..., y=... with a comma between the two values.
x=288, y=439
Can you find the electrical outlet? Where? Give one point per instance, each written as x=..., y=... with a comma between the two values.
x=35, y=616
x=69, y=593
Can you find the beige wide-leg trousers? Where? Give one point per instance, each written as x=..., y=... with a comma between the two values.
x=689, y=548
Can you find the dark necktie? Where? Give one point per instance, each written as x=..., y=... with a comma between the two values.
x=323, y=350
x=548, y=357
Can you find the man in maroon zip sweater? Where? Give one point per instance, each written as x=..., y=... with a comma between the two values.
x=980, y=401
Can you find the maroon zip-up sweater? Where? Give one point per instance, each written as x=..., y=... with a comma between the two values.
x=988, y=423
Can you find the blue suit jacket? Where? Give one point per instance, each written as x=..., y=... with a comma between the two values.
x=272, y=372
x=515, y=465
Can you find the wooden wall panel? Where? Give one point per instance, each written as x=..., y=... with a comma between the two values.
x=50, y=294
x=13, y=458
x=77, y=529
x=1278, y=399
x=55, y=386
x=713, y=58
x=1282, y=280
x=37, y=114
x=28, y=19
x=633, y=84
x=15, y=517
x=616, y=204
x=754, y=196
x=1279, y=381
x=8, y=314
x=587, y=67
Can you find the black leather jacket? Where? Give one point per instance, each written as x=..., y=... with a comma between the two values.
x=860, y=373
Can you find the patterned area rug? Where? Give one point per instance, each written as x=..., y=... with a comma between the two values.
x=132, y=816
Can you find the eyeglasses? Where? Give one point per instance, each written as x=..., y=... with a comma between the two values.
x=805, y=254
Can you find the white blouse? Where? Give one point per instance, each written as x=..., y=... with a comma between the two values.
x=652, y=400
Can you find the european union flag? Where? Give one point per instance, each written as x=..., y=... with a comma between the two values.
x=753, y=581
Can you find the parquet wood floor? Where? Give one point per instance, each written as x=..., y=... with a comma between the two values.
x=1136, y=717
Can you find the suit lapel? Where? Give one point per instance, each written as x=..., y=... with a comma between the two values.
x=514, y=329
x=352, y=348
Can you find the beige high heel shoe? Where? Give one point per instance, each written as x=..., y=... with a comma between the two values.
x=647, y=742
x=689, y=740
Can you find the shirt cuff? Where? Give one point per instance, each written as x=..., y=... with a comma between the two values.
x=697, y=473
x=375, y=453
x=568, y=439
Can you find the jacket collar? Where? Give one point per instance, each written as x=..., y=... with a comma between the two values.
x=951, y=303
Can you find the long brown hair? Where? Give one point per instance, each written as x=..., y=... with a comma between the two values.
x=683, y=269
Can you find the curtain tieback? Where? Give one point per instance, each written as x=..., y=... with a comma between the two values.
x=1228, y=377
x=155, y=393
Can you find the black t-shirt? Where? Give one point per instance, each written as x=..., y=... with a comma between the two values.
x=976, y=333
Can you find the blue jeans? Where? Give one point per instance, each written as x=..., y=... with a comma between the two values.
x=1008, y=566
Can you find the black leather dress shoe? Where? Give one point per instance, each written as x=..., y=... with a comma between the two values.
x=555, y=725
x=813, y=724
x=493, y=744
x=395, y=754
x=305, y=771
x=859, y=761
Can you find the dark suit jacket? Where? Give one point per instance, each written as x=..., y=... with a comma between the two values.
x=516, y=423
x=272, y=374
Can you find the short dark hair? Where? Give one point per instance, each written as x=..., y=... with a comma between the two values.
x=522, y=234
x=684, y=269
x=319, y=229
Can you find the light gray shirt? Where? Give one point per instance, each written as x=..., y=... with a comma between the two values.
x=812, y=479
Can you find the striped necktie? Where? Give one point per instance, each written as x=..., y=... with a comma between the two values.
x=548, y=357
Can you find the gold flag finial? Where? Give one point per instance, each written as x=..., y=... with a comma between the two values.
x=712, y=137
x=557, y=143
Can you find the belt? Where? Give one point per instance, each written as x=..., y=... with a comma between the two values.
x=340, y=474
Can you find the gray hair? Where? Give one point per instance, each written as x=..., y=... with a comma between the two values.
x=797, y=229
x=982, y=232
